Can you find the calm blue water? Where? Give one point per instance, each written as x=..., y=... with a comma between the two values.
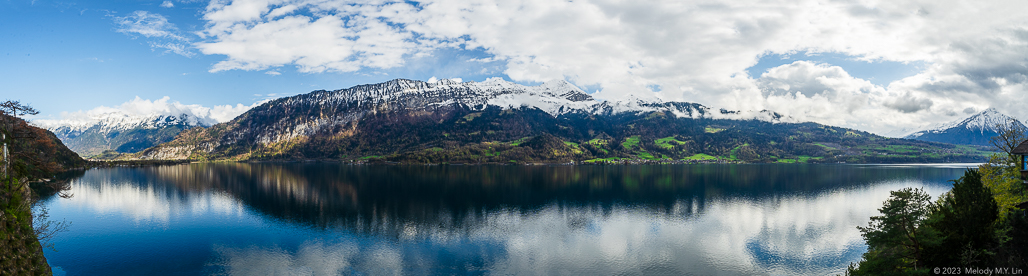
x=329, y=219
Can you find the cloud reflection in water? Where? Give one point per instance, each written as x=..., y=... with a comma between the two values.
x=516, y=220
x=788, y=235
x=143, y=198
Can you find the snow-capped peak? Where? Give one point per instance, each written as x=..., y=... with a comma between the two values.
x=982, y=122
x=555, y=97
x=433, y=80
x=142, y=113
x=559, y=87
x=107, y=122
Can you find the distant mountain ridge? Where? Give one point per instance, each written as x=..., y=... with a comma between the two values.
x=500, y=122
x=121, y=132
x=978, y=129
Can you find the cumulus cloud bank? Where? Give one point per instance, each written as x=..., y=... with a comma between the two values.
x=976, y=52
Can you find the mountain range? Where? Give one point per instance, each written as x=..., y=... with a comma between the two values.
x=120, y=132
x=978, y=129
x=496, y=121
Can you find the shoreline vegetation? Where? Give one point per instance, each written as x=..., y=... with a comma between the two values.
x=978, y=227
x=498, y=153
x=625, y=161
x=28, y=153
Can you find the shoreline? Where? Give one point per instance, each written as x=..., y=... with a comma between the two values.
x=145, y=163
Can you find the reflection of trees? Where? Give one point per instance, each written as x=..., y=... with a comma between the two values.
x=390, y=199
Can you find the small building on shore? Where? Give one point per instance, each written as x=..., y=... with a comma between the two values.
x=1022, y=153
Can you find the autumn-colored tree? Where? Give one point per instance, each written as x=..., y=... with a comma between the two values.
x=9, y=114
x=30, y=152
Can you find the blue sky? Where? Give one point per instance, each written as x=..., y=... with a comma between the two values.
x=886, y=67
x=69, y=56
x=878, y=72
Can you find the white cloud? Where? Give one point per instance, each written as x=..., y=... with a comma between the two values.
x=273, y=73
x=225, y=113
x=161, y=33
x=147, y=24
x=483, y=60
x=626, y=46
x=976, y=52
x=256, y=35
x=175, y=48
x=167, y=4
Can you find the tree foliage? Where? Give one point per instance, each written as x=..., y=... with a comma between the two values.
x=897, y=238
x=1001, y=174
x=964, y=227
x=968, y=213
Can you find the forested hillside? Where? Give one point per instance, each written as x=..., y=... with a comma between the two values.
x=526, y=135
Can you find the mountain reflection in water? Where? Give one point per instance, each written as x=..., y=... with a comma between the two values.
x=326, y=219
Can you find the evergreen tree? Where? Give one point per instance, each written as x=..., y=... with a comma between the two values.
x=968, y=213
x=897, y=239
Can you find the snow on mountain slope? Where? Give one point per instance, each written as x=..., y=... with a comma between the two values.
x=116, y=121
x=131, y=126
x=119, y=131
x=554, y=97
x=977, y=129
x=982, y=122
x=304, y=115
x=142, y=113
x=332, y=113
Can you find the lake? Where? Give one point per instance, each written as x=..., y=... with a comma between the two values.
x=330, y=218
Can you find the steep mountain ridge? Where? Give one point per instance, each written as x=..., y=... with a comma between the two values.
x=329, y=112
x=499, y=121
x=977, y=129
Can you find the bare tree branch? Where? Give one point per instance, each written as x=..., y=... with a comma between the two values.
x=1010, y=135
